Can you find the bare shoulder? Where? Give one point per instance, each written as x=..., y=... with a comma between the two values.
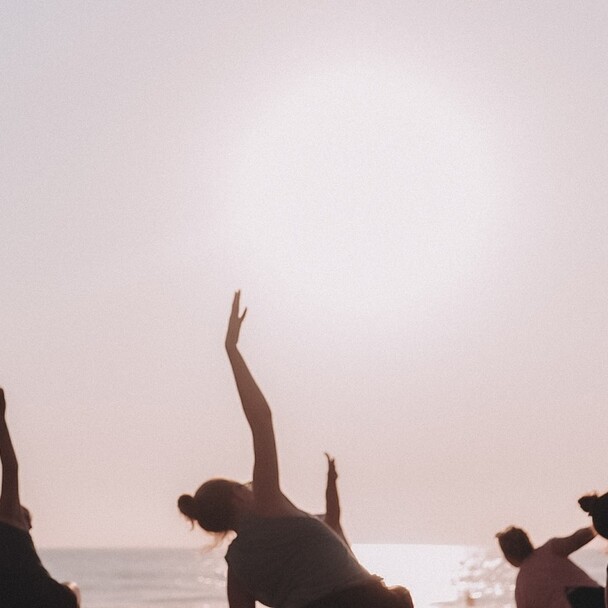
x=14, y=519
x=281, y=506
x=551, y=545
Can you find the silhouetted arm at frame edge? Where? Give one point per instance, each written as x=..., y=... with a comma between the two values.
x=332, y=500
x=10, y=505
x=255, y=407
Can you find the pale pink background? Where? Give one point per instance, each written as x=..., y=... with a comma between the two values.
x=412, y=197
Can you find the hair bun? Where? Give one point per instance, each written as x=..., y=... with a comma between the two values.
x=186, y=504
x=588, y=503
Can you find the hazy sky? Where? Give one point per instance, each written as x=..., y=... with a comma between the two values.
x=413, y=198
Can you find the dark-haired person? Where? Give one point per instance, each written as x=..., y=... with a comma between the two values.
x=24, y=583
x=546, y=577
x=597, y=507
x=281, y=556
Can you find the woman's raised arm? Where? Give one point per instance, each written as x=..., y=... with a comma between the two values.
x=10, y=506
x=265, y=470
x=332, y=501
x=566, y=545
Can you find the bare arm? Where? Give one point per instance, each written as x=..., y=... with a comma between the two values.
x=332, y=501
x=10, y=506
x=266, y=469
x=569, y=544
x=238, y=597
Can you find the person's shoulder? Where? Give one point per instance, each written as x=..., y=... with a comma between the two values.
x=552, y=549
x=529, y=564
x=13, y=523
x=13, y=514
x=231, y=550
x=549, y=546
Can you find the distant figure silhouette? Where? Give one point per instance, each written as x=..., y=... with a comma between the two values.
x=24, y=583
x=281, y=556
x=597, y=507
x=546, y=576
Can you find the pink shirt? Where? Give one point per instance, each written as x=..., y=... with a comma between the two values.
x=544, y=577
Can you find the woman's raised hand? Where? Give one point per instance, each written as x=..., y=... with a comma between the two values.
x=234, y=323
x=331, y=467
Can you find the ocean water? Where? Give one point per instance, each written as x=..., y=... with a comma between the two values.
x=437, y=575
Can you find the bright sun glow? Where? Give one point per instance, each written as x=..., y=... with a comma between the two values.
x=361, y=183
x=427, y=570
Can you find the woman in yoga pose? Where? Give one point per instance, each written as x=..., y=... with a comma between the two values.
x=24, y=583
x=281, y=556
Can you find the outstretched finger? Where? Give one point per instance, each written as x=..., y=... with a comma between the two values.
x=235, y=303
x=243, y=315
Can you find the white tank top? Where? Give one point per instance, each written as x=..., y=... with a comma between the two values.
x=289, y=562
